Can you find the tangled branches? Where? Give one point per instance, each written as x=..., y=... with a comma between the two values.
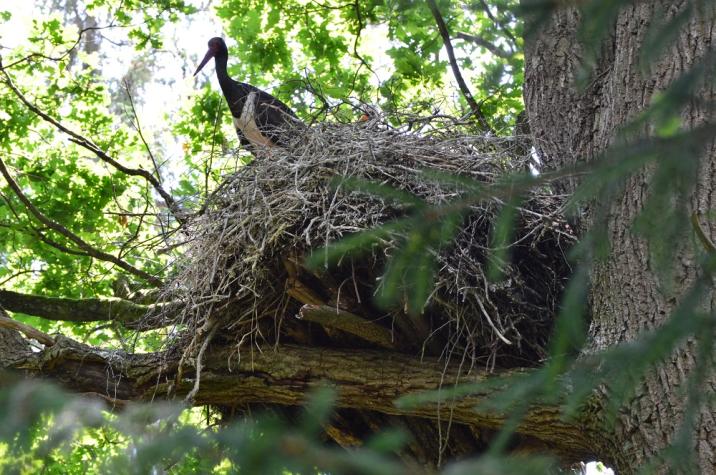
x=243, y=271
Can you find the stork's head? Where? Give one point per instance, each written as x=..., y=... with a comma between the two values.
x=217, y=48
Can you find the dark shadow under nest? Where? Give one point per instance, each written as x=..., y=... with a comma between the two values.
x=243, y=279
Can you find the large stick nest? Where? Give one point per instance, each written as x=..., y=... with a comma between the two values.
x=243, y=272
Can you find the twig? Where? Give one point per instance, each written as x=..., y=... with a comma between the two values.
x=199, y=363
x=63, y=55
x=135, y=234
x=210, y=162
x=363, y=62
x=505, y=30
x=17, y=274
x=138, y=128
x=492, y=325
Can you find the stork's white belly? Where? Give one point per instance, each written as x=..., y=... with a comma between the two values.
x=247, y=125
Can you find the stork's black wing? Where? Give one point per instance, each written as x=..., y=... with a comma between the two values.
x=275, y=119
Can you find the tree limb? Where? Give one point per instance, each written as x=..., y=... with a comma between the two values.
x=332, y=317
x=119, y=310
x=492, y=48
x=474, y=106
x=505, y=30
x=364, y=380
x=86, y=143
x=57, y=227
x=27, y=330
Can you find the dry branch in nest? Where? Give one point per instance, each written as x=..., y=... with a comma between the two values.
x=243, y=272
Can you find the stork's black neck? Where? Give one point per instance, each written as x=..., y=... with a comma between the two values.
x=221, y=73
x=235, y=92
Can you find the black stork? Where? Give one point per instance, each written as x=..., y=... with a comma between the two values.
x=260, y=119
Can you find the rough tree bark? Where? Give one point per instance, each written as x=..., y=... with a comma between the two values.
x=575, y=125
x=365, y=380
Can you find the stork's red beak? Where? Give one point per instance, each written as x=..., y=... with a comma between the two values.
x=209, y=55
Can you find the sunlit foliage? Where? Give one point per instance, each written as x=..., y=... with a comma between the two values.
x=330, y=60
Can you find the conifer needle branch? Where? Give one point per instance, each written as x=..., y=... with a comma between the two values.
x=60, y=229
x=442, y=27
x=95, y=149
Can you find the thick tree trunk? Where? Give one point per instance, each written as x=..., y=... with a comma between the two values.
x=627, y=298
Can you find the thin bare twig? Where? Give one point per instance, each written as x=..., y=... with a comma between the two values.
x=135, y=234
x=505, y=30
x=356, y=41
x=17, y=274
x=200, y=365
x=138, y=128
x=63, y=55
x=208, y=165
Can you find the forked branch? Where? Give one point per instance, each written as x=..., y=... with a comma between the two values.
x=78, y=241
x=87, y=144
